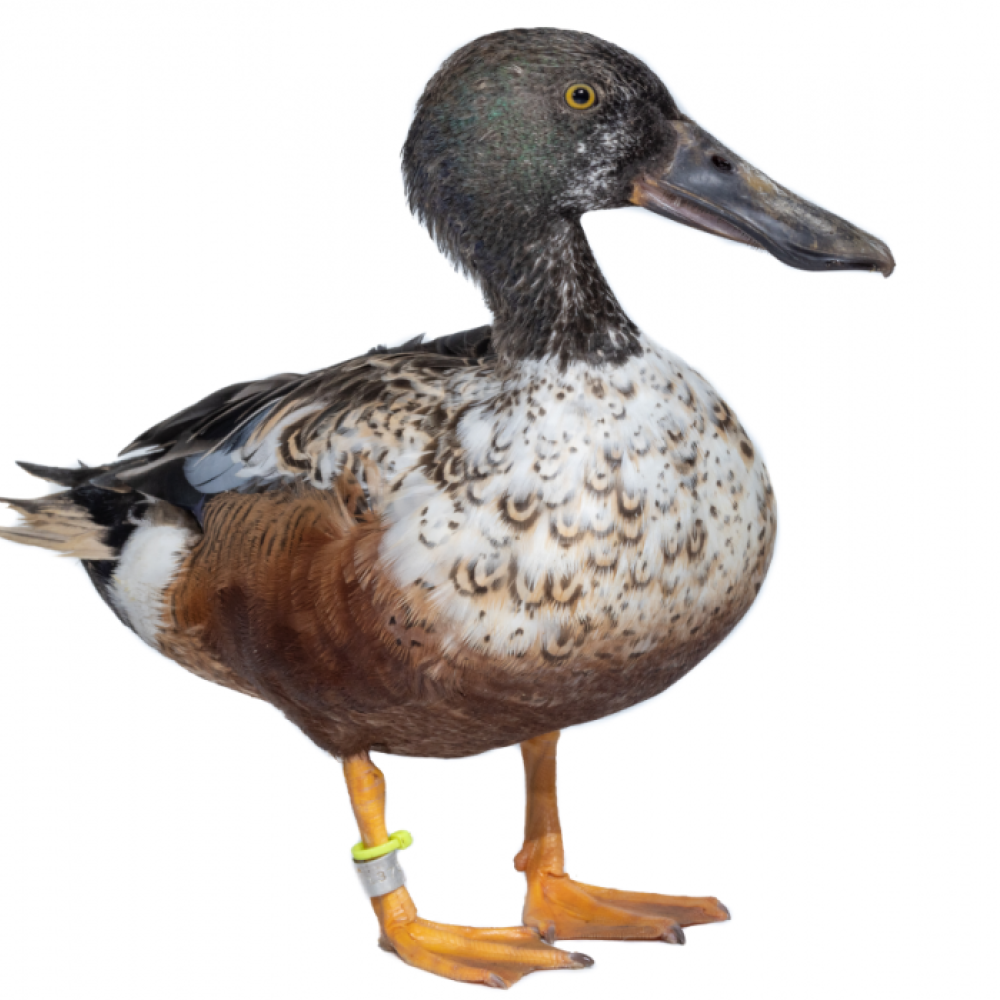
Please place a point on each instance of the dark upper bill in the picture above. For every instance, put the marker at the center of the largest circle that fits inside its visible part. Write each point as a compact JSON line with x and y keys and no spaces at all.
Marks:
{"x":707,"y":186}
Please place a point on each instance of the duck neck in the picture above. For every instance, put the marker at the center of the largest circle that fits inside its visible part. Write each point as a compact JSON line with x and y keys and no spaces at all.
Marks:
{"x":550,"y":300}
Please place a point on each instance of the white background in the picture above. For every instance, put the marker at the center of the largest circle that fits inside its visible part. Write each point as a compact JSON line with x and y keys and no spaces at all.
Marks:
{"x":193,"y":194}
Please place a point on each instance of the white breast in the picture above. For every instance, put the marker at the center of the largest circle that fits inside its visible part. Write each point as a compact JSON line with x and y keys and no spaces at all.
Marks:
{"x":581,"y":488}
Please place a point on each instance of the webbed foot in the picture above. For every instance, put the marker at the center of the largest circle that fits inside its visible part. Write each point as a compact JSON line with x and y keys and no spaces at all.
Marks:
{"x":492,"y":956}
{"x":560,"y":908}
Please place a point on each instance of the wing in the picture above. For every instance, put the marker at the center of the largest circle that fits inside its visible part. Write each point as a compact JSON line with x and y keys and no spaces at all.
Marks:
{"x":251,"y":436}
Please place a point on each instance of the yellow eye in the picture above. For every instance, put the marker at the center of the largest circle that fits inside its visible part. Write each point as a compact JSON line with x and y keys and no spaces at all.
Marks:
{"x":580,"y":96}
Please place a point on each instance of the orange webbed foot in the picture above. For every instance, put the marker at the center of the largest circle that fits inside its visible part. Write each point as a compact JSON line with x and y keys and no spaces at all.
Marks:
{"x":491,"y":956}
{"x":560,"y":909}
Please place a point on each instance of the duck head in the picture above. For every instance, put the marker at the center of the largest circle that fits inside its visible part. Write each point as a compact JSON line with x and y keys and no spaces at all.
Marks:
{"x":521,"y":132}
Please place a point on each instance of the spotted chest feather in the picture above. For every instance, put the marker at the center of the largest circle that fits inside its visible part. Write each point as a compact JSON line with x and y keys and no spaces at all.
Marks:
{"x":616,"y":509}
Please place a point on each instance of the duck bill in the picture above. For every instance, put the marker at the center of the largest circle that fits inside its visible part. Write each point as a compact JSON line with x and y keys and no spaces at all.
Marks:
{"x":709,"y":187}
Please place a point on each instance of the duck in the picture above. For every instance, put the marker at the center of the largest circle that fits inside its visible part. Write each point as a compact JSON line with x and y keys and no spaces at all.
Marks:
{"x":476,"y":541}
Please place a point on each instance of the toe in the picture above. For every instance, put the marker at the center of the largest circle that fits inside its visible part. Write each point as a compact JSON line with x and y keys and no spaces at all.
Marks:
{"x":674,"y":934}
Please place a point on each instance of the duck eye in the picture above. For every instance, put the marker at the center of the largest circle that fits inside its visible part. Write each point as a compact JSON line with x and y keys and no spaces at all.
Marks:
{"x":581,"y":96}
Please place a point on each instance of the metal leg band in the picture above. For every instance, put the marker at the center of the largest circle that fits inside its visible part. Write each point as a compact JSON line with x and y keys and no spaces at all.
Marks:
{"x":380,"y":875}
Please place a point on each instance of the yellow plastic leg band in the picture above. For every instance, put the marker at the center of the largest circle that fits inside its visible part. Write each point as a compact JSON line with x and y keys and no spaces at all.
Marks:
{"x":397,"y":841}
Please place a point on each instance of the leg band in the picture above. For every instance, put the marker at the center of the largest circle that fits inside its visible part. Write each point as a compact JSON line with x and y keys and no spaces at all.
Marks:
{"x":380,"y":875}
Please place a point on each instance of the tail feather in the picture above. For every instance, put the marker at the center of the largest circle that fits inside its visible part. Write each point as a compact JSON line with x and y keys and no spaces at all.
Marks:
{"x":57,"y":523}
{"x":61,"y":477}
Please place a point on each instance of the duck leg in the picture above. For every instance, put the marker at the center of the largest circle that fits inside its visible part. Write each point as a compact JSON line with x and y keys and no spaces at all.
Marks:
{"x":559,"y":908}
{"x":493,"y":956}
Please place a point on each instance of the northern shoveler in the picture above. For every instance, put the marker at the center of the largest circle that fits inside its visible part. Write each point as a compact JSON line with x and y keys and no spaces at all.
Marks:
{"x":472,"y":542}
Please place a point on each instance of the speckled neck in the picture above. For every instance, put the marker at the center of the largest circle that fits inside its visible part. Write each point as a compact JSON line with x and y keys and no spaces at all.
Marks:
{"x":550,"y":299}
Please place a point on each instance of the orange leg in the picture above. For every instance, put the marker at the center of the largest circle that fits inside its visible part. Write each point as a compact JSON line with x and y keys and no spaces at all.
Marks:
{"x":559,"y":908}
{"x":493,"y":956}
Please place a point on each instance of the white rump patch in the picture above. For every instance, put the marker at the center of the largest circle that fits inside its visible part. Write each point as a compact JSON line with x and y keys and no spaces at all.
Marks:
{"x":148,"y":563}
